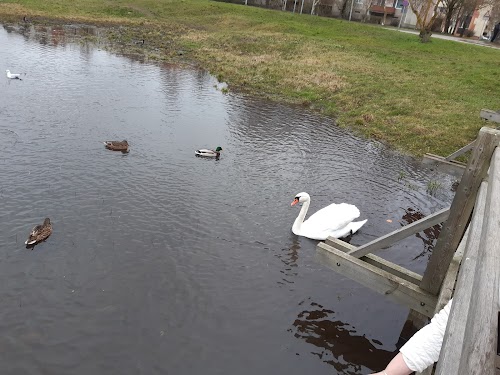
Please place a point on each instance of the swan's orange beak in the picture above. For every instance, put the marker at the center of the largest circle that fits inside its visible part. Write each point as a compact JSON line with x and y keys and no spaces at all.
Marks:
{"x":295,"y":201}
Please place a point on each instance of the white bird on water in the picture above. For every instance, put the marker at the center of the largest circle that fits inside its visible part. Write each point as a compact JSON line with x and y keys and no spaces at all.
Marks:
{"x":13,"y":75}
{"x":335,"y":220}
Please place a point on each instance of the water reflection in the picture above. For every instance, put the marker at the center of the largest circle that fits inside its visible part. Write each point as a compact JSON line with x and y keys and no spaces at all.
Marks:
{"x":338,"y":343}
{"x":289,"y":257}
{"x":55,"y":35}
{"x":428,"y":236}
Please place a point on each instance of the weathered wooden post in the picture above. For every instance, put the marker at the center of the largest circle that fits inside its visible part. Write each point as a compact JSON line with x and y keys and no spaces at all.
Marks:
{"x":451,"y":350}
{"x":481,"y":330}
{"x":460,"y":210}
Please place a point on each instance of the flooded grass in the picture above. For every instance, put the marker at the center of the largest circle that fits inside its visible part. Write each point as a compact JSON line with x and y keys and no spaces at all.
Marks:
{"x":382,"y":84}
{"x":433,"y":187}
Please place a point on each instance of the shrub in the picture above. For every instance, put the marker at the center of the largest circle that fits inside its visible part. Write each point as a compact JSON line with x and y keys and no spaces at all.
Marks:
{"x":469,"y":33}
{"x":374,"y":19}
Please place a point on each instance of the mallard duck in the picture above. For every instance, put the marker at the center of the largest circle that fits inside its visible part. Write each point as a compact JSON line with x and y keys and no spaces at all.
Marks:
{"x":40,"y":232}
{"x":117,"y":145}
{"x":209,"y":153}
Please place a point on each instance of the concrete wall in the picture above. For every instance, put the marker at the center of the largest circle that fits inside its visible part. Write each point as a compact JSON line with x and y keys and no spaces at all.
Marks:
{"x":480,"y":20}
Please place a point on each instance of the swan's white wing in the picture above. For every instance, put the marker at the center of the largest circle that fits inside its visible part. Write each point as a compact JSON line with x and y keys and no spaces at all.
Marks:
{"x":350,"y":228}
{"x":330,"y":218}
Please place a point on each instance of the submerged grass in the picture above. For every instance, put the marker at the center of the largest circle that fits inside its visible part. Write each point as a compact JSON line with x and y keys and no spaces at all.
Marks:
{"x":380,"y":83}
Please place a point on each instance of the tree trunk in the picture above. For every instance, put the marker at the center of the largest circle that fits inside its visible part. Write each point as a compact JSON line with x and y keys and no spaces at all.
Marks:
{"x":367,"y":11}
{"x":467,"y":20}
{"x":313,"y":8}
{"x":447,"y":22}
{"x":459,"y":18}
{"x":425,"y":35}
{"x":343,"y":10}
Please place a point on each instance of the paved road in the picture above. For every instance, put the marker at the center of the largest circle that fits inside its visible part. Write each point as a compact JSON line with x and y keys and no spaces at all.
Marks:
{"x":481,"y":43}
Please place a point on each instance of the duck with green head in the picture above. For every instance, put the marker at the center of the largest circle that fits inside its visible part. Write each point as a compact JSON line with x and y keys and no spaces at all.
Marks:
{"x":209,"y":153}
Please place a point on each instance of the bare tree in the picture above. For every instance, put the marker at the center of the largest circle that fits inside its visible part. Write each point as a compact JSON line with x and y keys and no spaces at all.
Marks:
{"x":314,"y":4}
{"x":344,"y":13}
{"x":452,"y":7}
{"x":426,"y":12}
{"x":494,"y":13}
{"x":468,"y":8}
{"x":463,"y":10}
{"x":366,"y":15}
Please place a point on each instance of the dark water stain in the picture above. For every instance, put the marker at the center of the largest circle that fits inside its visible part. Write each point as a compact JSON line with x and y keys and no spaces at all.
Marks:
{"x":428,"y":236}
{"x":338,"y":343}
{"x":162,"y":262}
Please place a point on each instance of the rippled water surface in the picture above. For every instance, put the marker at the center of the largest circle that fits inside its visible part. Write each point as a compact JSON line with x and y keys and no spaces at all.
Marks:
{"x":164,"y":263}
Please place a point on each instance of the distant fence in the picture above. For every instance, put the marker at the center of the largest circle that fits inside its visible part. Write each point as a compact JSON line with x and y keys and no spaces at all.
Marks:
{"x":323,"y":10}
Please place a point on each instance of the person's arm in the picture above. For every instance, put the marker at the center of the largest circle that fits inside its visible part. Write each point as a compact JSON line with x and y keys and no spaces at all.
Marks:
{"x":396,"y":367}
{"x":423,"y":349}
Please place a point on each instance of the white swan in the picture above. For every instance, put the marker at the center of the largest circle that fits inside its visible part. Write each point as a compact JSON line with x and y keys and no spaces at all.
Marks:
{"x":335,"y":220}
{"x":13,"y":75}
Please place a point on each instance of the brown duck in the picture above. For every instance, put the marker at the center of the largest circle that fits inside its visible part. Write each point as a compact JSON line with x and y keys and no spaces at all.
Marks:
{"x":117,"y":145}
{"x":40,"y":233}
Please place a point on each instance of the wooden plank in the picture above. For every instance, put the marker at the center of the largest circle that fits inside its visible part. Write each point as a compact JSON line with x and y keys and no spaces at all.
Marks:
{"x":452,"y":167}
{"x":488,"y":114}
{"x":393,"y":268}
{"x":408,"y":230}
{"x":481,"y":330}
{"x":376,"y":261}
{"x":460,"y":210}
{"x":451,"y":351}
{"x":339,"y":244}
{"x":376,"y":279}
{"x":449,"y":281}
{"x":462,"y":151}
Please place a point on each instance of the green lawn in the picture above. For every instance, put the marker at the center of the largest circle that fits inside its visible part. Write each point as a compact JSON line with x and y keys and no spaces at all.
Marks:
{"x":382,"y":84}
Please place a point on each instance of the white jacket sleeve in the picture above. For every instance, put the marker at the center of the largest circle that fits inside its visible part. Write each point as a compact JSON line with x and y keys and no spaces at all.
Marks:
{"x":423,"y":349}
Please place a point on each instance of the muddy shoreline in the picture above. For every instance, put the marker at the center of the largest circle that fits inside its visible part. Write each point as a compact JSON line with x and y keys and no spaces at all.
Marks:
{"x":139,"y":42}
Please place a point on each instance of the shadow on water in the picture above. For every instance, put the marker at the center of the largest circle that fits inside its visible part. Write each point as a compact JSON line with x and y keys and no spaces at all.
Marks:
{"x":428,"y":236}
{"x":338,"y":344}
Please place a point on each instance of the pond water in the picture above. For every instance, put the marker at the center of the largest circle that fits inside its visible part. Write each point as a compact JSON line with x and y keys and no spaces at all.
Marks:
{"x":164,"y":263}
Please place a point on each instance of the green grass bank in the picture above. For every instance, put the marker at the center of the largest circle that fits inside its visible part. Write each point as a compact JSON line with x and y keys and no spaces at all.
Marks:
{"x":380,"y":83}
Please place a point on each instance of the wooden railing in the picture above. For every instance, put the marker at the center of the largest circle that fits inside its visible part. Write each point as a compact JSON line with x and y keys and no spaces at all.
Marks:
{"x":471,"y":250}
{"x":470,"y":343}
{"x":449,"y":164}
